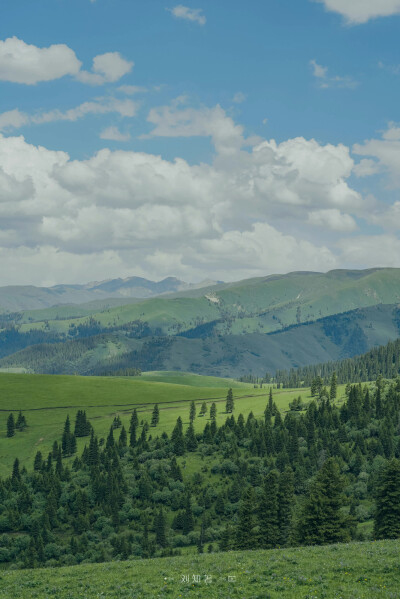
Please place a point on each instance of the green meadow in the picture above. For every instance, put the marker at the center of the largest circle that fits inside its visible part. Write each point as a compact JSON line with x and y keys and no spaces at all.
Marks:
{"x":46,"y":400}
{"x":347,"y":571}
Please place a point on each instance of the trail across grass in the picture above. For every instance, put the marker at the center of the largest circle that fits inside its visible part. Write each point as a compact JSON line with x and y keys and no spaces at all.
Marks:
{"x":354,"y":571}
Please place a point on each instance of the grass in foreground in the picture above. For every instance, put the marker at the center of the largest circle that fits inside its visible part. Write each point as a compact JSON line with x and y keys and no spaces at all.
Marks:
{"x":351,"y":571}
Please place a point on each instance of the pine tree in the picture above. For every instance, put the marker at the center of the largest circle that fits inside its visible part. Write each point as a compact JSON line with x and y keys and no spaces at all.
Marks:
{"x":192,"y":411}
{"x":268,"y":512}
{"x":176,"y":473}
{"x":132,"y":429}
{"x":159,"y":527}
{"x":37,"y":464}
{"x":155,"y":417}
{"x":213,"y":411}
{"x":122,"y":441}
{"x":10,"y":425}
{"x":190,"y":438}
{"x":229,"y":402}
{"x":333,"y":387}
{"x":178,"y":441}
{"x":244,"y":537}
{"x":203,"y":409}
{"x":322,"y":521}
{"x":387,"y":514}
{"x":21,"y":422}
{"x":285,"y":505}
{"x":16,"y":476}
{"x":188,"y":519}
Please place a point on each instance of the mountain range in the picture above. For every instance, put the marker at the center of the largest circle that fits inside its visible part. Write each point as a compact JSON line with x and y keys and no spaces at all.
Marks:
{"x":224,"y":329}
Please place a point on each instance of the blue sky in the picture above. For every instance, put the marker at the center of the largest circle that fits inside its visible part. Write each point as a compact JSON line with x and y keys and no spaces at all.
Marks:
{"x":202,"y":140}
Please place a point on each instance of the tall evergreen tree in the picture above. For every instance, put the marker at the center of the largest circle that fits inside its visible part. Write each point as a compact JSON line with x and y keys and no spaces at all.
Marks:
{"x":387,"y":513}
{"x":229,"y":406}
{"x":285,"y":505}
{"x":268,"y":512}
{"x":134,"y":422}
{"x":213,"y":411}
{"x":322,"y":520}
{"x":333,"y":387}
{"x":192,"y":411}
{"x":155,"y":417}
{"x":244,"y":536}
{"x":10,"y":425}
{"x":178,"y":441}
{"x":159,"y":527}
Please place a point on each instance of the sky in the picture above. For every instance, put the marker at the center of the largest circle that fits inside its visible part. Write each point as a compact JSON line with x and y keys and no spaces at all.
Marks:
{"x":205,"y":140}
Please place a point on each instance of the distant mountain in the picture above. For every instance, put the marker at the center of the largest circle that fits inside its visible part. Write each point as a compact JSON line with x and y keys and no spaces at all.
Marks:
{"x":27,"y":297}
{"x":229,"y":329}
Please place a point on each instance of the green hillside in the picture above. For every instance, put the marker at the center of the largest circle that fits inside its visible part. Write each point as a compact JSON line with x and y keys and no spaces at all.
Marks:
{"x":359,"y":570}
{"x":47,"y":400}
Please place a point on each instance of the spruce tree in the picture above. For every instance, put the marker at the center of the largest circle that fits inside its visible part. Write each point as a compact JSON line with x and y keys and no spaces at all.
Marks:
{"x":269,"y":534}
{"x":159,"y":527}
{"x":322,"y":520}
{"x":333,"y":387}
{"x":132,"y":428}
{"x":21,"y":422}
{"x":192,"y":411}
{"x":10,"y":425}
{"x":285,"y":505}
{"x":188,"y":519}
{"x":229,"y":406}
{"x":387,"y":513}
{"x":190,"y":438}
{"x":213,"y":411}
{"x":203,"y":409}
{"x":244,"y":537}
{"x":155,"y":417}
{"x":178,"y":441}
{"x":122,"y":441}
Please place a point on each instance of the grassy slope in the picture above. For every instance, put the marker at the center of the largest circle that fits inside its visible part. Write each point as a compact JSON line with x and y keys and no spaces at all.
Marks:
{"x":317,"y":295}
{"x":332,"y":338}
{"x":357,"y":570}
{"x":47,"y":399}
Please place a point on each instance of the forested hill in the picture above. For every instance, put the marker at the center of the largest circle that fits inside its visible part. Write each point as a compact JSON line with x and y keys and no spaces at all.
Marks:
{"x":380,"y":361}
{"x":253,"y":326}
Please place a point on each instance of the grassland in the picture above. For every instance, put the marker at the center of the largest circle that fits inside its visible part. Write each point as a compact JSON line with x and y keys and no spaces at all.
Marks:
{"x":47,"y":399}
{"x":353,"y":571}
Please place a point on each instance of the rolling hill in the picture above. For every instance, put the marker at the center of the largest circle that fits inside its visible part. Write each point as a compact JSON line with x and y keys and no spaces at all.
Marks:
{"x":256,"y":325}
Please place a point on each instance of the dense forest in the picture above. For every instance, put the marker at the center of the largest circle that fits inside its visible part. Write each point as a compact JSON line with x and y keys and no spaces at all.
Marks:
{"x":310,"y":477}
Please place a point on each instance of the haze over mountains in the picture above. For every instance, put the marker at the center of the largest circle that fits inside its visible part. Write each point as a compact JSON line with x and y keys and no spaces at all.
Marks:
{"x":228,"y":329}
{"x":30,"y":297}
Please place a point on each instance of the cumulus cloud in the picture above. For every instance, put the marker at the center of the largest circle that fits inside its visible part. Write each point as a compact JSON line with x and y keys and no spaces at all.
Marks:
{"x":114,"y":134}
{"x":384,"y":155}
{"x":360,"y":11}
{"x":169,"y":217}
{"x":14,"y":119}
{"x":25,"y":63}
{"x":326,"y":81}
{"x":107,"y":68}
{"x":332,"y":219}
{"x":28,"y":64}
{"x":189,"y":14}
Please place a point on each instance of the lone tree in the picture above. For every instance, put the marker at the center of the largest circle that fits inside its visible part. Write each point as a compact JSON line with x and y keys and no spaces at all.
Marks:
{"x":387,"y":514}
{"x":10,"y":425}
{"x":155,"y":417}
{"x":192,"y":413}
{"x":229,"y":402}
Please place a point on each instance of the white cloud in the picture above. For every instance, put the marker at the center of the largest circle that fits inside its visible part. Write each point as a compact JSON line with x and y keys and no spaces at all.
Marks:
{"x":361,"y":11}
{"x":239,"y":97}
{"x":223,"y":220}
{"x":28,"y":64}
{"x":107,"y":68}
{"x":325,"y":81}
{"x":131,"y":90}
{"x":369,"y":251}
{"x":189,"y":14}
{"x":333,"y":220}
{"x":384,"y":155}
{"x":14,"y":119}
{"x":114,"y":134}
{"x":25,"y":63}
